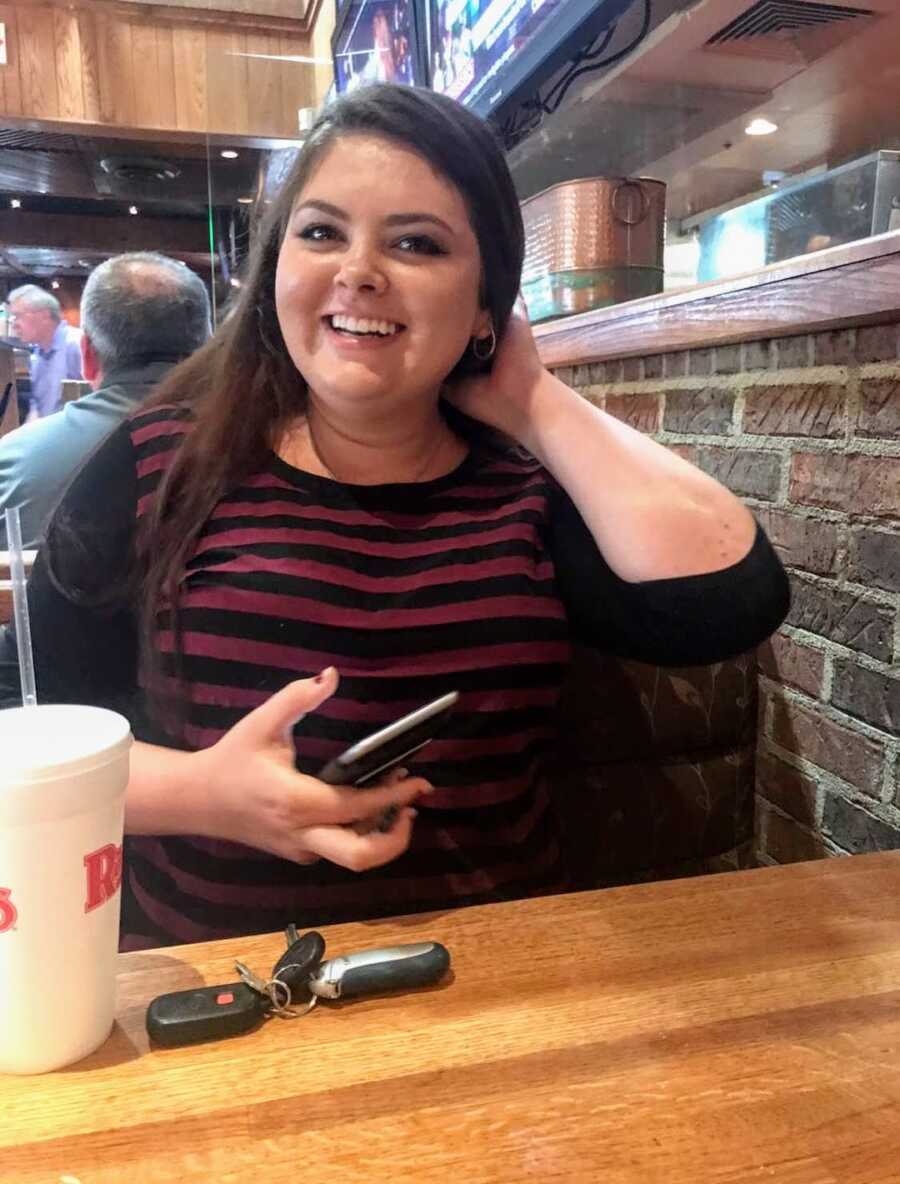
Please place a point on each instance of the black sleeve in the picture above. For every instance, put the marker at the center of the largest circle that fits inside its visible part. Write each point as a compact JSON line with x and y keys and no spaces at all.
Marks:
{"x":688,"y":621}
{"x":83,"y":630}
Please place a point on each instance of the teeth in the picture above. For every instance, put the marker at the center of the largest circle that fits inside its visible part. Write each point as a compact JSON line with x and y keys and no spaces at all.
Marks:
{"x":359,"y":325}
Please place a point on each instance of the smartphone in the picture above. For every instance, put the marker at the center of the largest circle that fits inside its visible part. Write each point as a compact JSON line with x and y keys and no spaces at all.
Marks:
{"x":382,"y":750}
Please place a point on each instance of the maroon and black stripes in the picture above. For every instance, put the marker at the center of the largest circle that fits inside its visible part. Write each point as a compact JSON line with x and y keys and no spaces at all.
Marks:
{"x":410,"y":591}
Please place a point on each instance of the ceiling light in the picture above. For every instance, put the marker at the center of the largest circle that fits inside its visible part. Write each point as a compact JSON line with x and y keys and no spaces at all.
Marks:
{"x":235,"y":282}
{"x":54,"y":284}
{"x":229,"y":154}
{"x":760,"y":127}
{"x":245,"y":201}
{"x":133,"y":210}
{"x":15,"y":203}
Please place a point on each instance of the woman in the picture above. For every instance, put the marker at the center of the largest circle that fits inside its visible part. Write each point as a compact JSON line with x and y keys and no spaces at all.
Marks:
{"x":300,"y":504}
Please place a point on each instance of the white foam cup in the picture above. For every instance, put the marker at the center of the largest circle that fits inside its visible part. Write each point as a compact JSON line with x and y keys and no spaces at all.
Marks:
{"x":63,"y":774}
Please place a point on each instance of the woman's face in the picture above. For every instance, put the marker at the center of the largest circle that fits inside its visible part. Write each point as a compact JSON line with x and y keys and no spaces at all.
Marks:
{"x":378,"y":276}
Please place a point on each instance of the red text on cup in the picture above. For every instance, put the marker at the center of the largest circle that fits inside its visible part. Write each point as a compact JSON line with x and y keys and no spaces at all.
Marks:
{"x":8,"y":914}
{"x":103,"y":874}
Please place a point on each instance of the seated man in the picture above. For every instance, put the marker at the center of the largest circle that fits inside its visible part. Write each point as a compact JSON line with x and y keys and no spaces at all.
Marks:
{"x":141,"y":313}
{"x":37,"y":320}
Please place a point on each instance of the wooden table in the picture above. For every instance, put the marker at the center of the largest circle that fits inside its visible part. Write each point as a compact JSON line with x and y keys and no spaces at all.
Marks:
{"x":28,"y":558}
{"x":742,"y":1027}
{"x":6,"y":601}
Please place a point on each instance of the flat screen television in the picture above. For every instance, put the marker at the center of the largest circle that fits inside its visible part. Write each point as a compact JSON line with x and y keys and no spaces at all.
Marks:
{"x":489,"y":54}
{"x":378,"y":41}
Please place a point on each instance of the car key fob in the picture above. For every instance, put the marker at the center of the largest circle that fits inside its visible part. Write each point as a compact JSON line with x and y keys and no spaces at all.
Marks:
{"x":369,"y":972}
{"x":205,"y":1013}
{"x":299,"y":963}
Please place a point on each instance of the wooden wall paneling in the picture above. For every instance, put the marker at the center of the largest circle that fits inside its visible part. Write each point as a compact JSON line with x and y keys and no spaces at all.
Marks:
{"x":90,"y":68}
{"x":67,"y":54}
{"x":10,"y":84}
{"x":264,"y":84}
{"x":165,"y":64}
{"x":241,"y":82}
{"x":320,"y":47}
{"x":298,"y":82}
{"x":191,"y":93}
{"x":259,"y":10}
{"x":83,"y":232}
{"x":37,"y":69}
{"x":145,"y":75}
{"x":227,"y":101}
{"x":114,"y":66}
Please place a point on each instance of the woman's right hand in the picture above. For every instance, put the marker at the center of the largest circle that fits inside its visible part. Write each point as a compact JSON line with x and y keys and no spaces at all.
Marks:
{"x":246,"y":789}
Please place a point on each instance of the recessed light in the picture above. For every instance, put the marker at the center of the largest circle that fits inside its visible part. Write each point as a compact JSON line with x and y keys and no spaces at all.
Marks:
{"x":245,"y":201}
{"x":760,"y":127}
{"x":15,"y":203}
{"x":229,"y":154}
{"x":54,"y":284}
{"x":133,"y":210}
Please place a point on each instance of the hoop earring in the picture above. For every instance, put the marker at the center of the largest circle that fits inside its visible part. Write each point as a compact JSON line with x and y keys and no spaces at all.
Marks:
{"x":477,"y":341}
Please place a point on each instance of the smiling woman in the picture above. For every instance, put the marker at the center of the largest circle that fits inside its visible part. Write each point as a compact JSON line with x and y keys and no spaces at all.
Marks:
{"x":364,"y":493}
{"x":376,"y":306}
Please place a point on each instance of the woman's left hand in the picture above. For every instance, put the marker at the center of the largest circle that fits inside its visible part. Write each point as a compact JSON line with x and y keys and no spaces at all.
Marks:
{"x":503,"y":398}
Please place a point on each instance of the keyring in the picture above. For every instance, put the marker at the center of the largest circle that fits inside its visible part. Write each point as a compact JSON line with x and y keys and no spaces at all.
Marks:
{"x":283,"y":1007}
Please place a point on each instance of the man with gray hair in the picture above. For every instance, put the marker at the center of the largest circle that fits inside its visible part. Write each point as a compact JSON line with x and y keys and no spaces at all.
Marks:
{"x":56,"y":346}
{"x":141,"y":313}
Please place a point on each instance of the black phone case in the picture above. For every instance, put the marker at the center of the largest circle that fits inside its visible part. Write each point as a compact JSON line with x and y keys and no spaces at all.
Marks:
{"x":387,"y":756}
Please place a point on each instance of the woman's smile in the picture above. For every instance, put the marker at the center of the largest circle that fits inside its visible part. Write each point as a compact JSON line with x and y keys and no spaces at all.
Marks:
{"x":357,"y":332}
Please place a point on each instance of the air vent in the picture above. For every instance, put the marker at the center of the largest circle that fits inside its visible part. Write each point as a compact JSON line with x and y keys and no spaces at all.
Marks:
{"x":139,"y":169}
{"x":783,"y":18}
{"x":37,"y":141}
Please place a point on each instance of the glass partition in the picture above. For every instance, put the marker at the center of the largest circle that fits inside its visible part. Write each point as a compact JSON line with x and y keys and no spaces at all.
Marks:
{"x":774,"y":128}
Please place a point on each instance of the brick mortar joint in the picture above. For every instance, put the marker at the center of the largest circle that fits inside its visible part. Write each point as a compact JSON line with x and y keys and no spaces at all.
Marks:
{"x":849,"y":723}
{"x":816,"y":513}
{"x":890,"y":369}
{"x":835,"y":649}
{"x":863,"y":592}
{"x":853,"y":407}
{"x":737,"y":415}
{"x":823,"y":780}
{"x":827,"y":676}
{"x":829,"y":845}
{"x":877,"y":447}
{"x":741,"y":379}
{"x":812,"y":829}
{"x":800,"y":765}
{"x":889,"y":785}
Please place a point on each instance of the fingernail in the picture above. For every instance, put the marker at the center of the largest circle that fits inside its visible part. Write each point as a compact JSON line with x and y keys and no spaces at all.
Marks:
{"x":413,"y":813}
{"x":401,"y":773}
{"x":320,"y":678}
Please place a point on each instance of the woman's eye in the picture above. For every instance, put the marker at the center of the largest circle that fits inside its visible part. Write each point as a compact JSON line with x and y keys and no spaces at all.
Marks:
{"x":420,"y":244}
{"x":317,"y":233}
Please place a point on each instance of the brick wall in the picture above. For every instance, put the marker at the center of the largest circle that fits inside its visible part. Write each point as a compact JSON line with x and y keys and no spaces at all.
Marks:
{"x":807,"y":430}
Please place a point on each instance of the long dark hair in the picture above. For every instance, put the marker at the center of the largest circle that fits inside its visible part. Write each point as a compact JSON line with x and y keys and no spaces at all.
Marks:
{"x":241,"y":390}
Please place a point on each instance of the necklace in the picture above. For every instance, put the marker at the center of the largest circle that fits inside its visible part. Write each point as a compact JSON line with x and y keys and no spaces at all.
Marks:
{"x":417,"y":476}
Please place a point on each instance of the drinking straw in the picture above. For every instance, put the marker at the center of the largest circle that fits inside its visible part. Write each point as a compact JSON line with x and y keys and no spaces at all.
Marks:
{"x":20,"y":607}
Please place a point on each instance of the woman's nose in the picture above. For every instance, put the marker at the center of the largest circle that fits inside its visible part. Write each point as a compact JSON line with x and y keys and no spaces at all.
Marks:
{"x":361,"y":273}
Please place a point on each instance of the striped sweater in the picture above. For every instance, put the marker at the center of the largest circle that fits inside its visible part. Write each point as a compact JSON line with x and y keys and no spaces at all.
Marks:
{"x":472,"y":582}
